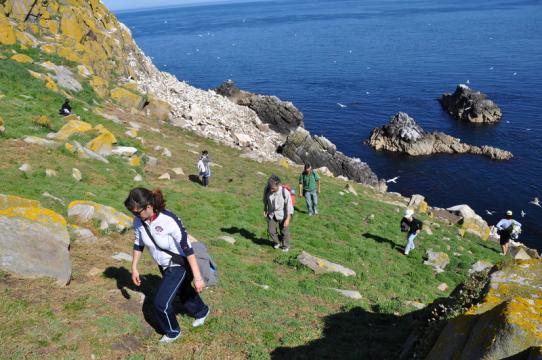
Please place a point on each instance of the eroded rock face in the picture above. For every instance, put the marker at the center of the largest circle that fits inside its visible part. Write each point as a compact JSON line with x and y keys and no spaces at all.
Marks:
{"x":282,"y":116}
{"x":402,"y":134}
{"x":470,"y":105}
{"x":506,"y":322}
{"x":24,"y":227}
{"x":301,"y":147}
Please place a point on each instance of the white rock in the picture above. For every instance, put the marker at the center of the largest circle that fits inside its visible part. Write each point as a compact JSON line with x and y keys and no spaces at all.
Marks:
{"x":121,"y":256}
{"x":41,"y":141}
{"x":324,"y":171}
{"x":265,"y":287}
{"x":350,"y":189}
{"x":165,"y":176}
{"x":50,"y":173}
{"x":135,"y":125}
{"x":443,"y":287}
{"x":25,"y":168}
{"x":76,"y":173}
{"x":227,"y":239}
{"x":261,"y":174}
{"x":124,"y":150}
{"x":341,"y":193}
{"x":319,"y":265}
{"x":415,"y":304}
{"x":480,"y":265}
{"x":47,"y":195}
{"x":150,"y":160}
{"x":178,"y":171}
{"x":82,"y":234}
{"x":138,"y":178}
{"x":166,"y":152}
{"x":352,"y":294}
{"x":343,"y":178}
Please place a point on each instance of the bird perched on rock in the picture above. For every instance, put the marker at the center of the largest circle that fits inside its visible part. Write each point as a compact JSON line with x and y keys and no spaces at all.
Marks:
{"x":393,"y":180}
{"x":535,"y":201}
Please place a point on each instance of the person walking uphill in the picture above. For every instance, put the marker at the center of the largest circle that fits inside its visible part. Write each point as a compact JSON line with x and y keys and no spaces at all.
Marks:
{"x":412,"y":227}
{"x":164,"y":234}
{"x":507,"y":228}
{"x":278,"y":210}
{"x":309,"y":187}
{"x":204,"y":168}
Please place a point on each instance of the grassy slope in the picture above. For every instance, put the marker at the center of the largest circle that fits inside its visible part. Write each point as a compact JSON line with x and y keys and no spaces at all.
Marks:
{"x":298,"y":316}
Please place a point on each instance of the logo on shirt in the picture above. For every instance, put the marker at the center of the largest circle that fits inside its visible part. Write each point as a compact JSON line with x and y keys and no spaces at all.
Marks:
{"x":158,"y":229}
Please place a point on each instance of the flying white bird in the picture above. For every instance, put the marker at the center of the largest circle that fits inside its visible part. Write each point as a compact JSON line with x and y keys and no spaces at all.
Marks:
{"x":491,"y":68}
{"x":535,"y":201}
{"x":515,"y":73}
{"x":393,"y":180}
{"x":341,"y":105}
{"x":468,"y":81}
{"x":523,"y":213}
{"x":490,"y":212}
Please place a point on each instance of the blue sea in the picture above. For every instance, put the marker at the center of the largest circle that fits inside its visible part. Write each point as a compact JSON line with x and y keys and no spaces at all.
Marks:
{"x":379,"y":57}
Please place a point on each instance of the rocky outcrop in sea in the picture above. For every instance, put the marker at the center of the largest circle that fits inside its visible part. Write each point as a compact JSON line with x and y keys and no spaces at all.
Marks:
{"x":403,"y":134}
{"x":469,"y":105}
{"x":282,"y":116}
{"x":301,"y":146}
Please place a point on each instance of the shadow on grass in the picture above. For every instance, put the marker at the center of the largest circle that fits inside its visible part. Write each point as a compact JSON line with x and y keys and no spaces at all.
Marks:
{"x":149,"y":282}
{"x":195,"y":179}
{"x":355,"y":334}
{"x":381,"y":239}
{"x":247,"y":235}
{"x":490,"y":248}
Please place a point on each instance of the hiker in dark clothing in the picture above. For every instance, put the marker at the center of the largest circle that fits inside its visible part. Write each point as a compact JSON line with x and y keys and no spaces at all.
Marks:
{"x":65,"y":109}
{"x":412,"y":227}
{"x":508,"y":228}
{"x":309,"y":188}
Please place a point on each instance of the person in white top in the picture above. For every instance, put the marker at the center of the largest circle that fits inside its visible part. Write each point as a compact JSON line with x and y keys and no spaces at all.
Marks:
{"x":278,"y":211}
{"x":505,"y":228}
{"x":204,"y":169}
{"x":164,"y":234}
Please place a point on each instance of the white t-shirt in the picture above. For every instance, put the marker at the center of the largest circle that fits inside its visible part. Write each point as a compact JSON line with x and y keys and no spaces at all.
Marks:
{"x":169,"y":233}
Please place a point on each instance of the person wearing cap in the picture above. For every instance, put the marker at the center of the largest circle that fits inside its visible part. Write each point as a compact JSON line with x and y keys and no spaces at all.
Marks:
{"x":505,"y":227}
{"x":412,"y":227}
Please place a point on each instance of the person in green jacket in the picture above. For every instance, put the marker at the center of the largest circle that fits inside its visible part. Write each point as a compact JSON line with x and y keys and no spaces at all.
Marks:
{"x":309,"y":188}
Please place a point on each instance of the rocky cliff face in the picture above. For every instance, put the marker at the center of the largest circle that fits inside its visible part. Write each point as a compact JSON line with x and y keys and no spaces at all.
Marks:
{"x":282,"y":116}
{"x":301,"y":146}
{"x":403,"y":134}
{"x":470,"y":105}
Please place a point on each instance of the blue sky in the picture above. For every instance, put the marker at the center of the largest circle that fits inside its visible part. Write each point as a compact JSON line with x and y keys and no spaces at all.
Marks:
{"x":135,"y":4}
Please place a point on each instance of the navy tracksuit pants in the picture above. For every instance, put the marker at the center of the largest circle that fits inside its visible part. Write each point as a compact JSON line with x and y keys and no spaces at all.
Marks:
{"x":176,"y":280}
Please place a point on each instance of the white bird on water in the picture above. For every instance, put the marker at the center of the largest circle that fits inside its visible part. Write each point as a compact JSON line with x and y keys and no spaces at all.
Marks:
{"x":393,"y":180}
{"x":490,"y":212}
{"x":342,"y":106}
{"x":535,"y":201}
{"x":523,"y":213}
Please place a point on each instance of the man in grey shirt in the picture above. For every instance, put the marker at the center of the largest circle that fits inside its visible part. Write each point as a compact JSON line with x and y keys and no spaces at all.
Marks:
{"x":278,"y":210}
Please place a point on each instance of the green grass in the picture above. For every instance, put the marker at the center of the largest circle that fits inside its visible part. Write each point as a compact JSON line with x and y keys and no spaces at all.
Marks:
{"x":298,"y":316}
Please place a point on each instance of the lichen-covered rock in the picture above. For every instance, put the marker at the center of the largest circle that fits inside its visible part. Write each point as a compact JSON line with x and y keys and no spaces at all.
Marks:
{"x":402,"y":134}
{"x":22,"y":228}
{"x":7,"y":34}
{"x":42,"y":120}
{"x":506,"y":323}
{"x":471,"y":222}
{"x":85,"y":211}
{"x":158,"y":110}
{"x":102,"y":144}
{"x":127,"y":98}
{"x":301,"y":147}
{"x":470,"y":105}
{"x":70,"y":128}
{"x":438,"y":260}
{"x":22,"y":58}
{"x":81,"y":234}
{"x":63,"y":76}
{"x":320,"y":266}
{"x":13,"y":201}
{"x":480,"y":265}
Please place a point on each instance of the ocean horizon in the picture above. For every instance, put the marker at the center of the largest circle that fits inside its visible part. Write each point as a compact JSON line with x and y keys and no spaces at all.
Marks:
{"x":377,"y":58}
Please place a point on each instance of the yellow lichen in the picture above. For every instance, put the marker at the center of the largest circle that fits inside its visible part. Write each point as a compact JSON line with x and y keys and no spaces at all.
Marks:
{"x":22,"y":58}
{"x":9,"y":201}
{"x":43,"y":120}
{"x":7,"y":33}
{"x":284,"y":163}
{"x":72,"y":127}
{"x":42,"y":215}
{"x":135,"y":161}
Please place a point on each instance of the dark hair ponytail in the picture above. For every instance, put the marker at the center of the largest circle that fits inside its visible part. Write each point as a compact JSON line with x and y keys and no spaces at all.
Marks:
{"x":141,"y":197}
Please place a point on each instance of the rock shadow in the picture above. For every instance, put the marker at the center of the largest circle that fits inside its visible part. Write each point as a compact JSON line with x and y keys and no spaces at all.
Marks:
{"x":355,"y":334}
{"x":149,"y":283}
{"x":381,"y":239}
{"x":247,"y":235}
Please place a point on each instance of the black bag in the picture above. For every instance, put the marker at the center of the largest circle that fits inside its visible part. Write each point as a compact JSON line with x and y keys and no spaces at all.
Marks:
{"x":404,"y":226}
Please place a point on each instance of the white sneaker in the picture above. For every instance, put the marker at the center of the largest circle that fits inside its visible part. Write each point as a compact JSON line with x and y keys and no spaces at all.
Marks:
{"x":285,"y":249}
{"x":166,"y":339}
{"x":201,"y":321}
{"x":315,"y":212}
{"x":276,"y":246}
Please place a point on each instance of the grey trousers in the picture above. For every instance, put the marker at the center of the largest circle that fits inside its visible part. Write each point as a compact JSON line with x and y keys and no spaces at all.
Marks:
{"x":282,"y":236}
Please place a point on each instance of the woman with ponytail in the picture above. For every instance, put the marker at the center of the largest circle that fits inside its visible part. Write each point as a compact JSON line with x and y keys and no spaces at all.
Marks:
{"x":164,"y":234}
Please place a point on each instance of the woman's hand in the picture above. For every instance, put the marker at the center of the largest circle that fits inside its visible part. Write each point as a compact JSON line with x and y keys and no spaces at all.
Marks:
{"x":199,"y":284}
{"x":135,"y":277}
